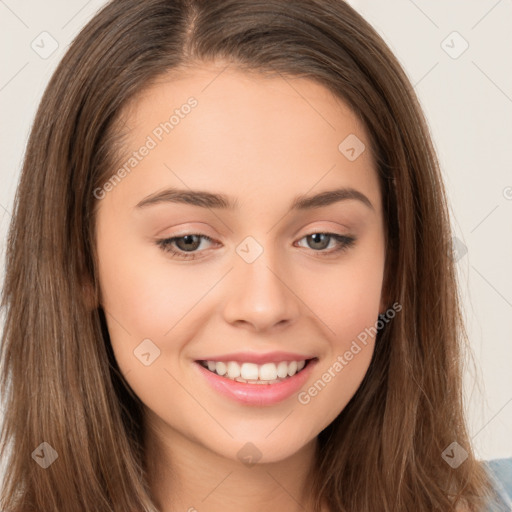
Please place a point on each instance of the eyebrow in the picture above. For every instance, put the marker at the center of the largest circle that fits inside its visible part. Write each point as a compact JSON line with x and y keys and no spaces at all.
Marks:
{"x":205,"y":199}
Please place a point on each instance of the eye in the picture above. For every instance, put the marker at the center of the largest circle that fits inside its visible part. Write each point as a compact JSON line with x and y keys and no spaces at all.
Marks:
{"x":318,"y":242}
{"x":188,"y":243}
{"x":186,"y":246}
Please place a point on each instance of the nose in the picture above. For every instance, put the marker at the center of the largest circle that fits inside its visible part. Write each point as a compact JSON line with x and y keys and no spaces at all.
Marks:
{"x":261,"y":294}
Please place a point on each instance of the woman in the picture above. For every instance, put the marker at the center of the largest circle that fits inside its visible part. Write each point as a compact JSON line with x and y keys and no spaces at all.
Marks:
{"x":253,"y":368}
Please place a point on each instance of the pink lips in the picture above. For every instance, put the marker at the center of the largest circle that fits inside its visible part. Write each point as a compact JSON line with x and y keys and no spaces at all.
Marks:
{"x":258,"y":394}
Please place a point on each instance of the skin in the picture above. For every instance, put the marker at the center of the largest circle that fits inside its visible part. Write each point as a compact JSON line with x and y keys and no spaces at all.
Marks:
{"x":261,"y":141}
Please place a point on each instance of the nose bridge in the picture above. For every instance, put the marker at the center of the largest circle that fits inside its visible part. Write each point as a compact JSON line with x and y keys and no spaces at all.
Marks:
{"x":257,"y":266}
{"x":260,"y":295}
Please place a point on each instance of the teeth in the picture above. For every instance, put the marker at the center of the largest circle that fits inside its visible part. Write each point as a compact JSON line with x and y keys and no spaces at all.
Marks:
{"x":268,"y":373}
{"x":220,"y":368}
{"x":282,"y":369}
{"x":249,"y":371}
{"x":233,"y":370}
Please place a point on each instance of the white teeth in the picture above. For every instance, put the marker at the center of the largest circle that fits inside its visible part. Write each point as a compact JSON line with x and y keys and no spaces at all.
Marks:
{"x":233,"y":370}
{"x":282,"y":369}
{"x":268,"y":373}
{"x":292,"y":368}
{"x":249,"y":371}
{"x":220,"y":368}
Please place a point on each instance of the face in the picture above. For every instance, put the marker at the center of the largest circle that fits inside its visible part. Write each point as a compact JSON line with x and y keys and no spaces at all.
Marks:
{"x":262,"y":275}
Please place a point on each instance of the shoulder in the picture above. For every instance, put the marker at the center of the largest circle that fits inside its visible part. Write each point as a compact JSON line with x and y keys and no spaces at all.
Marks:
{"x":500,"y":472}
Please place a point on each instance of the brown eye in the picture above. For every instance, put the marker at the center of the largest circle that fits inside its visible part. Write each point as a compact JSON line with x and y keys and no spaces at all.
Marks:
{"x":188,"y":242}
{"x":187,"y":245}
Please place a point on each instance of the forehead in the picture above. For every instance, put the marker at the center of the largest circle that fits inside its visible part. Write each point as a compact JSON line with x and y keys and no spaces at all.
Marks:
{"x":247,"y":133}
{"x":252,"y":99}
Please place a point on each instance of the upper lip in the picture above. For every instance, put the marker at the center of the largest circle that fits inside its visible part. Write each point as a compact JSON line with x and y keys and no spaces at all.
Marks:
{"x":252,"y":357}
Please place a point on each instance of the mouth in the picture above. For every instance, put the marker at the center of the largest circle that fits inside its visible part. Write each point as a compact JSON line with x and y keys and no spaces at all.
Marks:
{"x":271,"y":389}
{"x":252,"y":373}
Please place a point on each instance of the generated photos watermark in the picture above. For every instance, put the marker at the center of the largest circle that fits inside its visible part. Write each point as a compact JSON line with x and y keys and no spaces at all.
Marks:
{"x":342,"y":360}
{"x":152,"y":140}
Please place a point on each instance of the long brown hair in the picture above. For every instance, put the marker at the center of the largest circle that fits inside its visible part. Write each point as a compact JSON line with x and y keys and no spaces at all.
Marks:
{"x":60,"y":382}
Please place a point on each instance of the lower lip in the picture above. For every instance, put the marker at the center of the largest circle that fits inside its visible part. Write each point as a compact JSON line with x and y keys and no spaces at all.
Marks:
{"x":258,"y":394}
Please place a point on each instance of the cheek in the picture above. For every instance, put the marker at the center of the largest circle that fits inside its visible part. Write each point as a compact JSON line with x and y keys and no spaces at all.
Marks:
{"x":142,"y":300}
{"x":351,"y":315}
{"x":349,"y":306}
{"x":152,"y":306}
{"x":347,"y":296}
{"x":336,"y":382}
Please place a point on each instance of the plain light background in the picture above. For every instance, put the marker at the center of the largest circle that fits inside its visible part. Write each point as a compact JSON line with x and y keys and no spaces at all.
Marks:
{"x":457,"y":55}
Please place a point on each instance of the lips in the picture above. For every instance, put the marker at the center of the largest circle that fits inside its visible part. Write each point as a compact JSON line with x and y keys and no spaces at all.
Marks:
{"x":253,"y":394}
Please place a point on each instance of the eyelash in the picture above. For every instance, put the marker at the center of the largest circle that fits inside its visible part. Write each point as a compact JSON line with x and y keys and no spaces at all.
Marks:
{"x":344,"y":243}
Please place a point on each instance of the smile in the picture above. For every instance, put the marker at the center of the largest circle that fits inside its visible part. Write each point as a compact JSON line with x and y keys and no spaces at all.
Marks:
{"x":251,"y":373}
{"x":247,"y":392}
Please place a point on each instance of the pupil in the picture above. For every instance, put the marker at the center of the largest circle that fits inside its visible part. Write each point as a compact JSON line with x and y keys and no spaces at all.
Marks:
{"x":315,"y":237}
{"x":187,"y":240}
